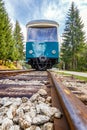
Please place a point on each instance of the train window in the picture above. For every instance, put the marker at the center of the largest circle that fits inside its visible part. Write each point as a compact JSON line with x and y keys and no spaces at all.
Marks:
{"x":42,"y":34}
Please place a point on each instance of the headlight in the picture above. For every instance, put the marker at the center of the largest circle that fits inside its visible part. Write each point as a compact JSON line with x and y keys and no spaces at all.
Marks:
{"x":30,"y":51}
{"x":53,"y":51}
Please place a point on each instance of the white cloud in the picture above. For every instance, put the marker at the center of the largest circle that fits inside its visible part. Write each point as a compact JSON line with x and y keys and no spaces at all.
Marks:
{"x":51,"y":12}
{"x":24,"y":31}
{"x":9,"y":9}
{"x":81,"y":5}
{"x":48,"y":9}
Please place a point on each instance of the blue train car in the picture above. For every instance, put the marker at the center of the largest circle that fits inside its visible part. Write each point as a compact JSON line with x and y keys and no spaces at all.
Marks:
{"x":42,"y":47}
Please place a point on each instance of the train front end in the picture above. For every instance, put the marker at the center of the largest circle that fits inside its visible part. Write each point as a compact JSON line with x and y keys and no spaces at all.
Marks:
{"x":42,"y":47}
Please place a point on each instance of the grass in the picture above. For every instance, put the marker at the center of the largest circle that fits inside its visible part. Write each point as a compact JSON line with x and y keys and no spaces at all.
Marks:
{"x":81,"y":78}
{"x":74,"y":76}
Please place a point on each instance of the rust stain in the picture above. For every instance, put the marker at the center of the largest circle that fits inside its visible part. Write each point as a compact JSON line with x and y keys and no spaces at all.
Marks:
{"x":67,"y":92}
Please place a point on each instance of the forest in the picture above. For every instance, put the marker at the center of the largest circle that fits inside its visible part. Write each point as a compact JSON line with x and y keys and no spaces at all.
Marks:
{"x":73,"y":51}
{"x":11,"y":41}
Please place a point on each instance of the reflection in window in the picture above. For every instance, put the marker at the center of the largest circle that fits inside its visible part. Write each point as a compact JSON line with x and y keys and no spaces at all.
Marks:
{"x":42,"y":34}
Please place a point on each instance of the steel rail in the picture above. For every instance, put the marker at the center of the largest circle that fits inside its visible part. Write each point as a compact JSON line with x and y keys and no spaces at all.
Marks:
{"x":5,"y":73}
{"x":74,"y":109}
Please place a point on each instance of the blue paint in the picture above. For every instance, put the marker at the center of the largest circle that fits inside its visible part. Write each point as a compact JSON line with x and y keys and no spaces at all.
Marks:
{"x":42,"y":49}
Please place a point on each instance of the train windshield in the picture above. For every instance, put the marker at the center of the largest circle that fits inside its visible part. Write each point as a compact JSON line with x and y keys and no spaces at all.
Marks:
{"x":42,"y":34}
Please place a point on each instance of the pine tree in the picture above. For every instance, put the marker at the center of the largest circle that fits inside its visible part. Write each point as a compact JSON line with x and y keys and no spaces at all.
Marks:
{"x":73,"y":39}
{"x":2,"y":32}
{"x":6,"y":38}
{"x":18,"y":36}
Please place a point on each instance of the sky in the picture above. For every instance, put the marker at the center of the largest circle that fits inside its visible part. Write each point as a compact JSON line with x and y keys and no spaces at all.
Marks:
{"x":27,"y":10}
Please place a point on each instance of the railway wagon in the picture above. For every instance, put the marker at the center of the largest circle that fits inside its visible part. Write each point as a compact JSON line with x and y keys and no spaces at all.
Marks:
{"x":42,"y":47}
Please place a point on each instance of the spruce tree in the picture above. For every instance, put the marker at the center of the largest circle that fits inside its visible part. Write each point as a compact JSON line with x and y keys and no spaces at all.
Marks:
{"x":73,"y":39}
{"x":6,"y":38}
{"x":18,"y":36}
{"x":2,"y":32}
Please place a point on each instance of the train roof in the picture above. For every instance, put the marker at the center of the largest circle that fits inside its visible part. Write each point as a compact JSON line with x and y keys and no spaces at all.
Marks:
{"x":42,"y":23}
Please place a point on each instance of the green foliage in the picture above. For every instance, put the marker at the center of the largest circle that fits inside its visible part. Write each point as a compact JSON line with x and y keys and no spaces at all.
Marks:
{"x":26,"y":66}
{"x":74,"y":76}
{"x":6,"y":38}
{"x":18,"y":36}
{"x":10,"y":65}
{"x":73,"y":44}
{"x":11,"y":46}
{"x":83,"y":59}
{"x":2,"y":31}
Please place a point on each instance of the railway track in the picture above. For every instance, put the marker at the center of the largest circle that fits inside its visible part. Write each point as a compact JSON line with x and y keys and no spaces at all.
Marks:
{"x":26,"y":84}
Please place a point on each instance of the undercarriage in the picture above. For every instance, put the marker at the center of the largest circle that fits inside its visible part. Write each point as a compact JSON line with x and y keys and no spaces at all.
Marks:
{"x":42,"y":63}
